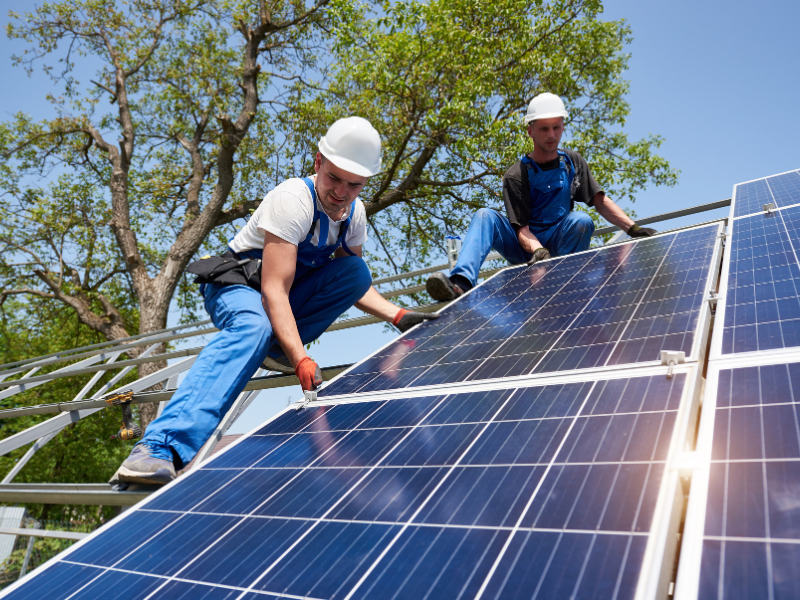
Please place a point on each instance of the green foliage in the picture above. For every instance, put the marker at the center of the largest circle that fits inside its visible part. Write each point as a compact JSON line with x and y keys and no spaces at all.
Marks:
{"x":446,"y":82}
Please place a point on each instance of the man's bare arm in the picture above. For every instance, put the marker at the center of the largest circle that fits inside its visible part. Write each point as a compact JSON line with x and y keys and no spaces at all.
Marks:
{"x":527,"y":240}
{"x":276,"y":282}
{"x":612,"y":213}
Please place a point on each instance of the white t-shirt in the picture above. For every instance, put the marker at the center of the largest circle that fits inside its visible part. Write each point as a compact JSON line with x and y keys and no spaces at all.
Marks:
{"x":288,"y":211}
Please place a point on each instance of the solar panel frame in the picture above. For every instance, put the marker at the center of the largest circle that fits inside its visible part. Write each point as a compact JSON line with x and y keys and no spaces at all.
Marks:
{"x":698,"y":466}
{"x":699,"y":342}
{"x":657,"y":563}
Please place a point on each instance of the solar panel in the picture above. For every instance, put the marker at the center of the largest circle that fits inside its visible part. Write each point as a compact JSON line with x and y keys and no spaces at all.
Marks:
{"x":761,"y":279}
{"x":743,"y":523}
{"x":782,"y":190}
{"x":612,"y":306}
{"x":544,"y":489}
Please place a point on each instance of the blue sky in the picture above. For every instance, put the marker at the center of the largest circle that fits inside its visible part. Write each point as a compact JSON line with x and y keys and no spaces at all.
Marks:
{"x":718,"y":80}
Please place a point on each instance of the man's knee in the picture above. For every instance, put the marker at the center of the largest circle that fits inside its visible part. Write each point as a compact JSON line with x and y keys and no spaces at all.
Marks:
{"x":486,"y":214}
{"x":354,"y":273}
{"x":581,"y":223}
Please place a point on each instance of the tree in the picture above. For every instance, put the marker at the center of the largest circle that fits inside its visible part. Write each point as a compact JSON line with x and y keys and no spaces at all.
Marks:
{"x":181,"y":84}
{"x":447,"y":82}
{"x":214,"y":101}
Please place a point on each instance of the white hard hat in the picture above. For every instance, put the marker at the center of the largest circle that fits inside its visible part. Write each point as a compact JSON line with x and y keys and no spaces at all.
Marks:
{"x":545,"y":106}
{"x":353,"y":144}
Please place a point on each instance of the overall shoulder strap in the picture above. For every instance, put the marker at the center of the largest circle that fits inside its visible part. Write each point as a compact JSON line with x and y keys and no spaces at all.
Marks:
{"x":531,"y":168}
{"x":568,"y":164}
{"x":324,"y":224}
{"x":345,"y":227}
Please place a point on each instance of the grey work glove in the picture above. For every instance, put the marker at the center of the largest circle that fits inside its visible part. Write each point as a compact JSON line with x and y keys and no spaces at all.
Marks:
{"x":636,"y":232}
{"x":406,"y":319}
{"x":539,"y":254}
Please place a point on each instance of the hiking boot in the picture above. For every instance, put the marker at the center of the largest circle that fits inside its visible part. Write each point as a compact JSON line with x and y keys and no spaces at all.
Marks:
{"x":441,"y":289}
{"x":280,"y":364}
{"x":142,"y":467}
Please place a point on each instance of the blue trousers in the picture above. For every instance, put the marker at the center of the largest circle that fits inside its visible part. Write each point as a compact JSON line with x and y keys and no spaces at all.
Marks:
{"x":489,"y":230}
{"x":318,"y":297}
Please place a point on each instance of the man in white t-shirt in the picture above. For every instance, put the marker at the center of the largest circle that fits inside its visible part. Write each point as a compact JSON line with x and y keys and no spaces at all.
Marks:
{"x":309,"y":234}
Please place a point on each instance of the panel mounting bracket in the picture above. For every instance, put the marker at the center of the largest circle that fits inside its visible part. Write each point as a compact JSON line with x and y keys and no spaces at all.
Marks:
{"x":768,"y":208}
{"x":309,"y":396}
{"x":670,"y":358}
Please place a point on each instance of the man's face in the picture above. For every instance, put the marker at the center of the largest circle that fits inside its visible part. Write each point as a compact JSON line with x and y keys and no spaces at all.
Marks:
{"x":546,"y":133}
{"x":336,"y":187}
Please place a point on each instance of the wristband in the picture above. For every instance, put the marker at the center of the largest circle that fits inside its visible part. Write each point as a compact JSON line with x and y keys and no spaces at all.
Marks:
{"x":400,"y":314}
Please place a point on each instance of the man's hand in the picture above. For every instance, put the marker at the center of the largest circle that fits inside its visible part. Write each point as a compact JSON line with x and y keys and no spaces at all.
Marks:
{"x":636,"y":232}
{"x":539,"y":254}
{"x":406,"y":319}
{"x":308,"y":373}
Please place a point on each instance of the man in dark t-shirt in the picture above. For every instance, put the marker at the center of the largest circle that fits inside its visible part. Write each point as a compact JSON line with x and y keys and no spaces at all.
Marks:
{"x":539,"y":191}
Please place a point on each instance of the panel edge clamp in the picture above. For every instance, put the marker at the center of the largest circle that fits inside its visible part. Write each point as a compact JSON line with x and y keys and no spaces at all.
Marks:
{"x":712,"y":300}
{"x":768,"y":208}
{"x":308,"y":396}
{"x":670,"y":358}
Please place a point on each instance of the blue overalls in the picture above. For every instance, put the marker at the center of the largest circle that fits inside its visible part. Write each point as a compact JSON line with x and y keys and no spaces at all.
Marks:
{"x":557,"y":227}
{"x":323,"y":289}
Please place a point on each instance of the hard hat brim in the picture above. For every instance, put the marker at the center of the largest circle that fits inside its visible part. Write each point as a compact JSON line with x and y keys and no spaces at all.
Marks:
{"x":550,"y":115}
{"x":345,"y":163}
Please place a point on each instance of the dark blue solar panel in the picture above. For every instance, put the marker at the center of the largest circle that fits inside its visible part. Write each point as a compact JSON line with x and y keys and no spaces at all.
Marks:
{"x":550,"y":487}
{"x":751,"y":541}
{"x":613,"y":306}
{"x":781,"y":190}
{"x":762,"y":303}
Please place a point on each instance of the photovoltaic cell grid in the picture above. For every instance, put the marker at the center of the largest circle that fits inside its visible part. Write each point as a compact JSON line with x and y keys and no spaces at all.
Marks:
{"x":762,"y":303}
{"x":541,"y":492}
{"x":782,"y":190}
{"x":751,"y":547}
{"x":614,"y":306}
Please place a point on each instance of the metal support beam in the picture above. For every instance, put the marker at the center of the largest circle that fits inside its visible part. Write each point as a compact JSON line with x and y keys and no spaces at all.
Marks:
{"x":260,"y":383}
{"x":140,"y":360}
{"x":144,"y":342}
{"x":684,"y":212}
{"x":41,"y":533}
{"x":37,"y":445}
{"x":140,"y":336}
{"x":62,"y":420}
{"x":85,"y":494}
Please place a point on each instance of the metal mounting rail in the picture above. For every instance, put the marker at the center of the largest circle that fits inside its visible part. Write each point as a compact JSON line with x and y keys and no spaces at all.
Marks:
{"x":675,"y":214}
{"x":257,"y":383}
{"x":91,"y":494}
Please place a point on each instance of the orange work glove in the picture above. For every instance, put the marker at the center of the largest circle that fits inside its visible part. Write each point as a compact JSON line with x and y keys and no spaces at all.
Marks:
{"x":308,"y":373}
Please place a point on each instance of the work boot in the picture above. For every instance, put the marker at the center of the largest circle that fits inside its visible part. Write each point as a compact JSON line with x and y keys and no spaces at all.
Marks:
{"x":280,"y":364}
{"x":441,"y":289}
{"x":142,"y":467}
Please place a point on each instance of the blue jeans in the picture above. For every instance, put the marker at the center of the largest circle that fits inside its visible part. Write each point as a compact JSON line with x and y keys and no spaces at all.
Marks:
{"x":318,"y":297}
{"x":489,"y":230}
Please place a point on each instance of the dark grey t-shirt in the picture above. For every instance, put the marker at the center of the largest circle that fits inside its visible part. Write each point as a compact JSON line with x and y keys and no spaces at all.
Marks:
{"x":517,"y":189}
